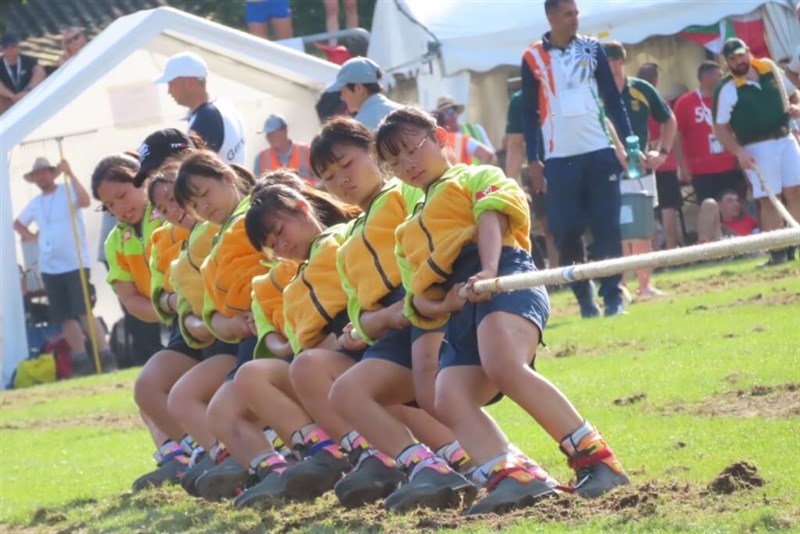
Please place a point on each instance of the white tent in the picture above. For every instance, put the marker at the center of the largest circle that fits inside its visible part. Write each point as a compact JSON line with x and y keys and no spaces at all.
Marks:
{"x":481,"y":36}
{"x":107,"y":90}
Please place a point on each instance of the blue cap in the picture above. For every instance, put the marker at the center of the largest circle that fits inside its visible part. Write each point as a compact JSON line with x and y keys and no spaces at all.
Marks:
{"x":9,"y":39}
{"x":356,"y":70}
{"x":273,"y":124}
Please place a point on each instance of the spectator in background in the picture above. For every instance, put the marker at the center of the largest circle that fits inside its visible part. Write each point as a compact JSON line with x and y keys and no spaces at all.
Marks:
{"x":447,"y":116}
{"x":332,"y":16}
{"x":59,"y":260}
{"x":217,"y":122}
{"x":282,"y":151}
{"x":19,"y":75}
{"x":515,"y":154}
{"x":359,"y":84}
{"x":642,"y":102}
{"x":668,"y":185}
{"x":751,"y":120}
{"x":72,"y":39}
{"x":702,"y":159}
{"x":259,"y":15}
{"x":792,"y":68}
{"x":562,"y":77}
{"x":726,"y":217}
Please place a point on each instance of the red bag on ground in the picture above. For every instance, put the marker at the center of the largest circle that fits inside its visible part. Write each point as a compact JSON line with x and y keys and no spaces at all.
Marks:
{"x":58,"y":346}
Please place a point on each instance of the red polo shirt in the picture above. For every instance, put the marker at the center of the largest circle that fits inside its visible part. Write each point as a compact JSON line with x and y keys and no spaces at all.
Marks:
{"x":694,"y":125}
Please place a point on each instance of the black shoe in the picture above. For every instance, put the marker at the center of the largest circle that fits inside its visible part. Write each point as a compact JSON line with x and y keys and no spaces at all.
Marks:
{"x":311,"y":478}
{"x":268,"y":492}
{"x":221,"y":481}
{"x":168,"y":472}
{"x":371,"y":480}
{"x":432,"y":488}
{"x":189,"y":478}
{"x":776,"y":257}
{"x":514,"y":491}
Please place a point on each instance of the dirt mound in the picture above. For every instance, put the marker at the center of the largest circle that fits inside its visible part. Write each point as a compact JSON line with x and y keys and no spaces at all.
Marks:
{"x":636,"y":397}
{"x":736,"y":477}
{"x":774,"y":402}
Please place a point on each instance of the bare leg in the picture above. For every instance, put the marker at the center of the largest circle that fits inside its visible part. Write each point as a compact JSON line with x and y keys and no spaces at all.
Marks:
{"x":313,"y":373}
{"x":235,"y":425}
{"x":709,"y":228}
{"x":351,"y":13}
{"x":332,"y":18}
{"x":153,"y":385}
{"x":669,"y":219}
{"x":258,"y":29}
{"x":74,"y":335}
{"x":188,"y":400}
{"x":282,"y":28}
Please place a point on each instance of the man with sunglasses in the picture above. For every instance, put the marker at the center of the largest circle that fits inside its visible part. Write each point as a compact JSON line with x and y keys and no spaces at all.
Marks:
{"x":447,"y":116}
{"x":19,"y":74}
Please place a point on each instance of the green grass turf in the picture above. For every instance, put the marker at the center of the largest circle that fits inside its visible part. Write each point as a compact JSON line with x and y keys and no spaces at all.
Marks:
{"x":69,"y":451}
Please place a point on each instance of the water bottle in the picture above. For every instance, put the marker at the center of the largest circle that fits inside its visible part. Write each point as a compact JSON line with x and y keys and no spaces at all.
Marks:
{"x":634,"y":163}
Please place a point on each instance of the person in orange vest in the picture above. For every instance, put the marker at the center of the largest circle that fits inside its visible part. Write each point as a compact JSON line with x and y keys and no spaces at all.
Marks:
{"x":447,"y":114}
{"x":283,"y":152}
{"x":464,"y":149}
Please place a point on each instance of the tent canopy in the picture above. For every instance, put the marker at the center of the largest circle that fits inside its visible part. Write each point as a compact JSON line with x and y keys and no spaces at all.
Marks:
{"x":480,"y":36}
{"x":107,"y":91}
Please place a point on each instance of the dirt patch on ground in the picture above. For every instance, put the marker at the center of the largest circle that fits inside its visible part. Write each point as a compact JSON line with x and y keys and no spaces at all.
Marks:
{"x":632,"y":399}
{"x":779,"y":298}
{"x":774,"y":402}
{"x":116,"y":421}
{"x":572,"y":349}
{"x":41,"y":394}
{"x":737,"y":477}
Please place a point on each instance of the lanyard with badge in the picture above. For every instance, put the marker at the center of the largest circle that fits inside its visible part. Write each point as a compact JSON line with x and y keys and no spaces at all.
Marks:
{"x":571,"y":98}
{"x":714,"y":146}
{"x":15,"y":78}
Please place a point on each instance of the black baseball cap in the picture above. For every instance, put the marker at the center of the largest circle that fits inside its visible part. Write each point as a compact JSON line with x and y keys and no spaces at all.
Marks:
{"x":9,"y":39}
{"x":734,"y":46}
{"x":157,"y":147}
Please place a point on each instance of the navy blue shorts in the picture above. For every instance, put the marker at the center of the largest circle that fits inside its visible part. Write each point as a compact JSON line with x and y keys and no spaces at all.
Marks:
{"x":244,"y":353}
{"x":178,"y":344}
{"x":261,"y":11}
{"x":461,"y":331}
{"x":219,"y":348}
{"x":336,"y":327}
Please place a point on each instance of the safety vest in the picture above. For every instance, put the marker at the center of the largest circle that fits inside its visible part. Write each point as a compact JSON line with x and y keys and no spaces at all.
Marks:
{"x":458,"y":143}
{"x":299,"y":161}
{"x":471,"y":129}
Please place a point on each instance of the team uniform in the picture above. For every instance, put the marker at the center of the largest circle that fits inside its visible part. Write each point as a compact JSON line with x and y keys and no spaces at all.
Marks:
{"x":369,"y":271}
{"x":227,"y":274}
{"x":314,"y":302}
{"x":438,"y":250}
{"x":128,"y":252}
{"x":267,"y":304}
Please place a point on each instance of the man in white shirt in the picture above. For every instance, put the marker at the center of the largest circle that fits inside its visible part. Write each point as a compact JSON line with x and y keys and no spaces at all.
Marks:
{"x":359,"y":84}
{"x":216,"y":121}
{"x":58,"y":257}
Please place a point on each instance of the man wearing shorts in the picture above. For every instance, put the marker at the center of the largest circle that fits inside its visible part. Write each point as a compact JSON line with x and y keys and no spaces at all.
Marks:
{"x":276,"y":13}
{"x":58,"y":257}
{"x":752,"y":108}
{"x":702,"y":159}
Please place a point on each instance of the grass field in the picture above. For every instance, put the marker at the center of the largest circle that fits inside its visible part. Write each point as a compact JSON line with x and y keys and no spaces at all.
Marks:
{"x":684,"y":387}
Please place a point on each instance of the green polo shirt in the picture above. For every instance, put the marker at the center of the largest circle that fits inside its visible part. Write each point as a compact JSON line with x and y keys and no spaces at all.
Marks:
{"x":641,"y":101}
{"x":754,"y":110}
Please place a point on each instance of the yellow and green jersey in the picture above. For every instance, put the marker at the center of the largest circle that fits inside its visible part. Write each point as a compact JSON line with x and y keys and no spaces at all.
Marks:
{"x":127,"y":252}
{"x":366,"y":261}
{"x":268,"y":302}
{"x":229,"y":269}
{"x":430,"y":241}
{"x":315,"y":295}
{"x":166,"y":244}
{"x":186,"y":279}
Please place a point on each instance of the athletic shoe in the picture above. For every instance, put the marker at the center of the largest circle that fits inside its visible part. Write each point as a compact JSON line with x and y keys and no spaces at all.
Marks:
{"x":189,"y":478}
{"x":597,"y":469}
{"x":776,"y":257}
{"x":311,"y":478}
{"x":222,"y":480}
{"x":614,"y":308}
{"x":268,"y":492}
{"x":168,"y":472}
{"x":432,"y":487}
{"x":650,"y":292}
{"x":372,"y":479}
{"x":517,"y":486}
